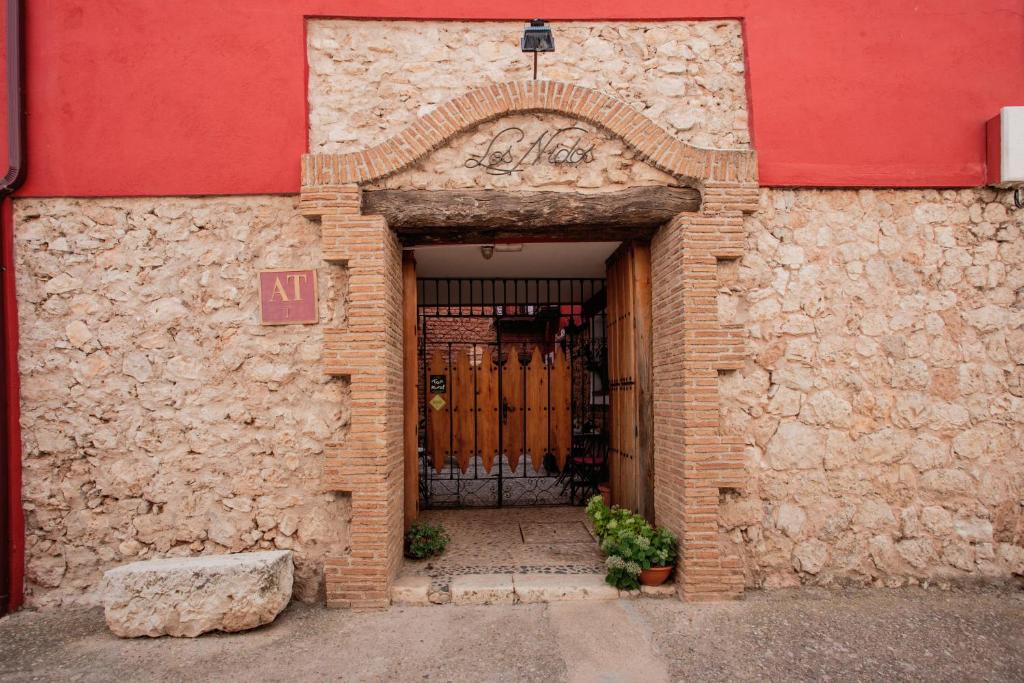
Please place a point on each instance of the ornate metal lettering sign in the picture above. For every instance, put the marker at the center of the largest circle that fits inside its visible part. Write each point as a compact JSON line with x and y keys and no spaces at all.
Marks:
{"x":511,"y":150}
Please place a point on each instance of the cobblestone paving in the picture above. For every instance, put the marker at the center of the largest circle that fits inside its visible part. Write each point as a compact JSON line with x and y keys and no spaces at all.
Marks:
{"x":542,"y":540}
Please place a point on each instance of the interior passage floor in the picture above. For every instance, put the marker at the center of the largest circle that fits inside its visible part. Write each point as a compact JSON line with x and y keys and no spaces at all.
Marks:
{"x":538,"y":540}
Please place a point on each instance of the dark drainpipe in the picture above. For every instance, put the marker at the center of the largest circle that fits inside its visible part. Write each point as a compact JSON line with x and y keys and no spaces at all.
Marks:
{"x":12,"y":532}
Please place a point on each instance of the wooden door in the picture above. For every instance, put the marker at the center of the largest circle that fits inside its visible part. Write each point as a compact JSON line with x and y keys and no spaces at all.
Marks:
{"x":495,"y":413}
{"x":631,"y":420}
{"x":410,"y":376}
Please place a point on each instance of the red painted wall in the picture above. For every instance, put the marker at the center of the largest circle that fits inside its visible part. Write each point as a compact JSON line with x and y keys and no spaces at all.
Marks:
{"x":208,"y":97}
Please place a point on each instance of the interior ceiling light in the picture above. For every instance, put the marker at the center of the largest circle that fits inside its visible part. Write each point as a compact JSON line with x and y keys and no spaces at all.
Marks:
{"x":508,"y":247}
{"x":537,"y":37}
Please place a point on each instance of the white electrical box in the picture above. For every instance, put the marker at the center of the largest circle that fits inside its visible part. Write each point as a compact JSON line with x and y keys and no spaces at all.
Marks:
{"x":1005,"y":135}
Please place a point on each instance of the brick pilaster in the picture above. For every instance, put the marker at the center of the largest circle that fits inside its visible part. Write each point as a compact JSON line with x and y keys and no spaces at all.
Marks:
{"x":368,"y":350}
{"x":694,"y":458}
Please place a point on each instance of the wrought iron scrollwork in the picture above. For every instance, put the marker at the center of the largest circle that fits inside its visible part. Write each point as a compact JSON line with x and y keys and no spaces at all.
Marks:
{"x":507,"y":153}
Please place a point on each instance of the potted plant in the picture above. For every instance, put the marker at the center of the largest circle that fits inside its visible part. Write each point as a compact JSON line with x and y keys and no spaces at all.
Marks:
{"x":659,"y":559}
{"x":425,"y":540}
{"x":637,"y":553}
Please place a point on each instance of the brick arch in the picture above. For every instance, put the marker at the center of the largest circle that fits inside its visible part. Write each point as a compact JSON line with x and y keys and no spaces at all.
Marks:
{"x":693,"y":165}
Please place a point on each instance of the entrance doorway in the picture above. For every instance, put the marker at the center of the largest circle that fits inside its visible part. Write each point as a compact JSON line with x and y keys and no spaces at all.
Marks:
{"x":528,"y":398}
{"x":695,"y":227}
{"x":514,"y":378}
{"x":527,"y":392}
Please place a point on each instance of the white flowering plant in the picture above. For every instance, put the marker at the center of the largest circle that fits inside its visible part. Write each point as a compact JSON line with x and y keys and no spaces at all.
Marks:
{"x":630,"y":543}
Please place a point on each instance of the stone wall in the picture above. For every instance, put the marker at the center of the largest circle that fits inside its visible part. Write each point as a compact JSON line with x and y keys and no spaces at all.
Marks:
{"x":882,"y":408}
{"x":370,"y":79}
{"x":884,"y":405}
{"x":159,"y":418}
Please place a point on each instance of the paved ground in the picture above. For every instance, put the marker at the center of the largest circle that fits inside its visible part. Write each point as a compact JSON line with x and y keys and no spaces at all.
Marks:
{"x":783,"y":635}
{"x":534,"y":540}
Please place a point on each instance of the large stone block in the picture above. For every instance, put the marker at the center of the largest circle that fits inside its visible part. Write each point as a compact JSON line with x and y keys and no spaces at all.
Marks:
{"x":483,"y":589}
{"x":193,"y":595}
{"x":411,"y":590}
{"x":555,"y":587}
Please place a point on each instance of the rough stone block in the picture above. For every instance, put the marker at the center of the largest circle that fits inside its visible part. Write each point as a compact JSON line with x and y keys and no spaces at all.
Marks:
{"x":483,"y":589}
{"x":189,"y":596}
{"x":439,"y":597}
{"x":411,"y":590}
{"x":555,"y":587}
{"x":665,"y":590}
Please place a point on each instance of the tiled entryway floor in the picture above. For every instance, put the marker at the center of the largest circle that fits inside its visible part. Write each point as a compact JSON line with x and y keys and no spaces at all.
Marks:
{"x":538,"y":540}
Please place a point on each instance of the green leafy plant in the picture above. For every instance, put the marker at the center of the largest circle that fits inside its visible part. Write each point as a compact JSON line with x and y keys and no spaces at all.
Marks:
{"x":630,"y":552}
{"x":599,"y":515}
{"x":630,"y":543}
{"x":648,"y":547}
{"x":664,"y":548}
{"x":425,"y":540}
{"x":609,"y":521}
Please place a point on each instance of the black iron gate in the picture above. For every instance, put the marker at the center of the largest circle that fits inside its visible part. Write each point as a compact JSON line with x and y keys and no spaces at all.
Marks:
{"x":512,"y":372}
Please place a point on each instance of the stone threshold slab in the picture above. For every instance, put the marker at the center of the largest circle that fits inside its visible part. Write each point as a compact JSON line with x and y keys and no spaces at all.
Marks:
{"x":509,"y":589}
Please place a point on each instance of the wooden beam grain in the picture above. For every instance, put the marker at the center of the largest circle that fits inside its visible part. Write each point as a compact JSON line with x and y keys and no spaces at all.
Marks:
{"x":481,"y":210}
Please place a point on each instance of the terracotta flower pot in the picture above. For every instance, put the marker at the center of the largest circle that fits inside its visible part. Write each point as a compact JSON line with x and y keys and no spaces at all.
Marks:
{"x":655,"y":576}
{"x":606,"y":493}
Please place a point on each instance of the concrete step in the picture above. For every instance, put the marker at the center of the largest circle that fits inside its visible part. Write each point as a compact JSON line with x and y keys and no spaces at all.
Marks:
{"x":507,"y":589}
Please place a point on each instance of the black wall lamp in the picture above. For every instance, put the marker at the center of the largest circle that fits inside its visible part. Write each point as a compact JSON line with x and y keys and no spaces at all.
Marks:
{"x":537,"y":37}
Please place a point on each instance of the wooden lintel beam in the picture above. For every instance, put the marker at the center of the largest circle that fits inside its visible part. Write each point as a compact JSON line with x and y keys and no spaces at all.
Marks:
{"x":416,"y":211}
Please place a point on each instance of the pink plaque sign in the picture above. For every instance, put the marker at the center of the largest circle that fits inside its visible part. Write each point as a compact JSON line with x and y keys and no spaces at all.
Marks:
{"x":288,"y":297}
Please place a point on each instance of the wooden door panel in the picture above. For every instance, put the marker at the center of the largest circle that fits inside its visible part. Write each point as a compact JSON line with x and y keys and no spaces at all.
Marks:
{"x":513,"y":415}
{"x":410,"y":392}
{"x":487,"y":410}
{"x":617,"y":440}
{"x":644,"y":380}
{"x":629,"y":359}
{"x":438,"y":413}
{"x":536,"y":409}
{"x":611,"y":322}
{"x":560,"y":421}
{"x":463,"y":410}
